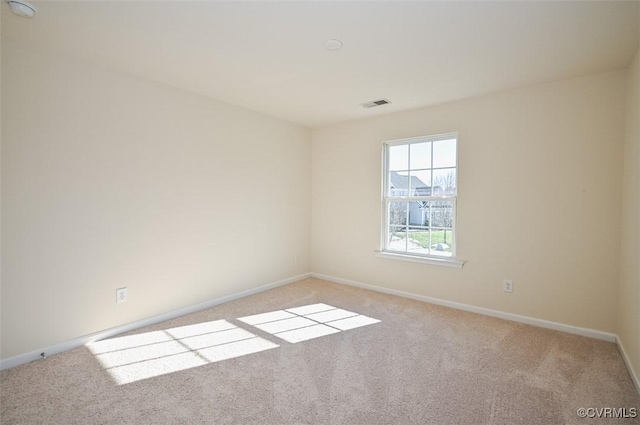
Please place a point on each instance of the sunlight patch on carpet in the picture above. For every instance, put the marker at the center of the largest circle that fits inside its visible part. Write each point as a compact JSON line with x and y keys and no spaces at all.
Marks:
{"x":142,"y":356}
{"x":307,"y":322}
{"x":136,"y":357}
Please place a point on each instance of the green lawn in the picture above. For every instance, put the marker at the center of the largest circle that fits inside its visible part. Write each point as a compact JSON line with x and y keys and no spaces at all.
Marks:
{"x":437,"y":236}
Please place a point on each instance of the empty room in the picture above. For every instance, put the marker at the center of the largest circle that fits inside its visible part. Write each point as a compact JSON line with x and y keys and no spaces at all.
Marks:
{"x":320,"y":212}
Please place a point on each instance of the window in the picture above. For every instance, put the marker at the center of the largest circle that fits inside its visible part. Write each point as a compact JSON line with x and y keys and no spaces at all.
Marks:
{"x":420,"y":193}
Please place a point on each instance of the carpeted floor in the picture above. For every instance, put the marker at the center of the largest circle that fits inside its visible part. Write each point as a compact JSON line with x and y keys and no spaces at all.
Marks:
{"x":399,"y":362}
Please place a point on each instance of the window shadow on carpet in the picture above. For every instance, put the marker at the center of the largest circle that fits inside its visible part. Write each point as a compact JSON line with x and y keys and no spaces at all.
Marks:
{"x":146,"y":355}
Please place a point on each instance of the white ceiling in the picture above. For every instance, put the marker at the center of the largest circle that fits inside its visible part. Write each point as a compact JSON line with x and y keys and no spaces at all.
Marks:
{"x":269,"y":56}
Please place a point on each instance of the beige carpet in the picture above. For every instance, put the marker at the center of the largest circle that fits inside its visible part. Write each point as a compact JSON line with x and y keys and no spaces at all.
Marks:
{"x":392,"y":361}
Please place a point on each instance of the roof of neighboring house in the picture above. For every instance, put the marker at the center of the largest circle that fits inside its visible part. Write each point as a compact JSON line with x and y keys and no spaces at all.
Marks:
{"x":401,"y":182}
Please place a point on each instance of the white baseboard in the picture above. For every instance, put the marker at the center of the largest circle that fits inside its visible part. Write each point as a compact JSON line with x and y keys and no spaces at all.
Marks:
{"x":627,"y":361}
{"x":591,"y":333}
{"x":83,"y":340}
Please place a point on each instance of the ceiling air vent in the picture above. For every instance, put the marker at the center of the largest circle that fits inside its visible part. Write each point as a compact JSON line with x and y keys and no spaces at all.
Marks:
{"x":375,"y":103}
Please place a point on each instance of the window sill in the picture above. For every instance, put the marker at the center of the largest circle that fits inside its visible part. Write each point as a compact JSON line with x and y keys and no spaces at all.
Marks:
{"x":447,"y":262}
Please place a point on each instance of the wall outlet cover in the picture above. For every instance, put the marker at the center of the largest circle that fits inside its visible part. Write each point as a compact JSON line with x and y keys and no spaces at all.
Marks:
{"x":121,"y":295}
{"x":507,"y":285}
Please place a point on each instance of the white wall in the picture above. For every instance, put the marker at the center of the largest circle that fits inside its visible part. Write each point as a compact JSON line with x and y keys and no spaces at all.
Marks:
{"x":539,"y":200}
{"x":629,"y":309}
{"x":110,"y":181}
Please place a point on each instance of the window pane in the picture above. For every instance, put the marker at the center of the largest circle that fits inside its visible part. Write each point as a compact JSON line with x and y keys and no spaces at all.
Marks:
{"x":441,"y":239}
{"x":419,"y":213}
{"x":444,"y":182}
{"x":397,"y":213}
{"x":444,"y":153}
{"x":442,"y":214}
{"x":418,"y":241}
{"x":399,"y":183}
{"x":420,"y":155}
{"x":399,"y":157}
{"x":397,"y":238}
{"x":420,"y":183}
{"x":441,"y":242}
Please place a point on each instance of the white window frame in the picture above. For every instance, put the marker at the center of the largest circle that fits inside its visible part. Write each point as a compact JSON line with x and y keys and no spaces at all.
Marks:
{"x":385,"y":252}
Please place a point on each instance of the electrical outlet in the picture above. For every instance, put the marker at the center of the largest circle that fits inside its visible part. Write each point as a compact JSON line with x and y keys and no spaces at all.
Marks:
{"x":507,"y":285}
{"x":121,"y":295}
{"x":296,"y":257}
